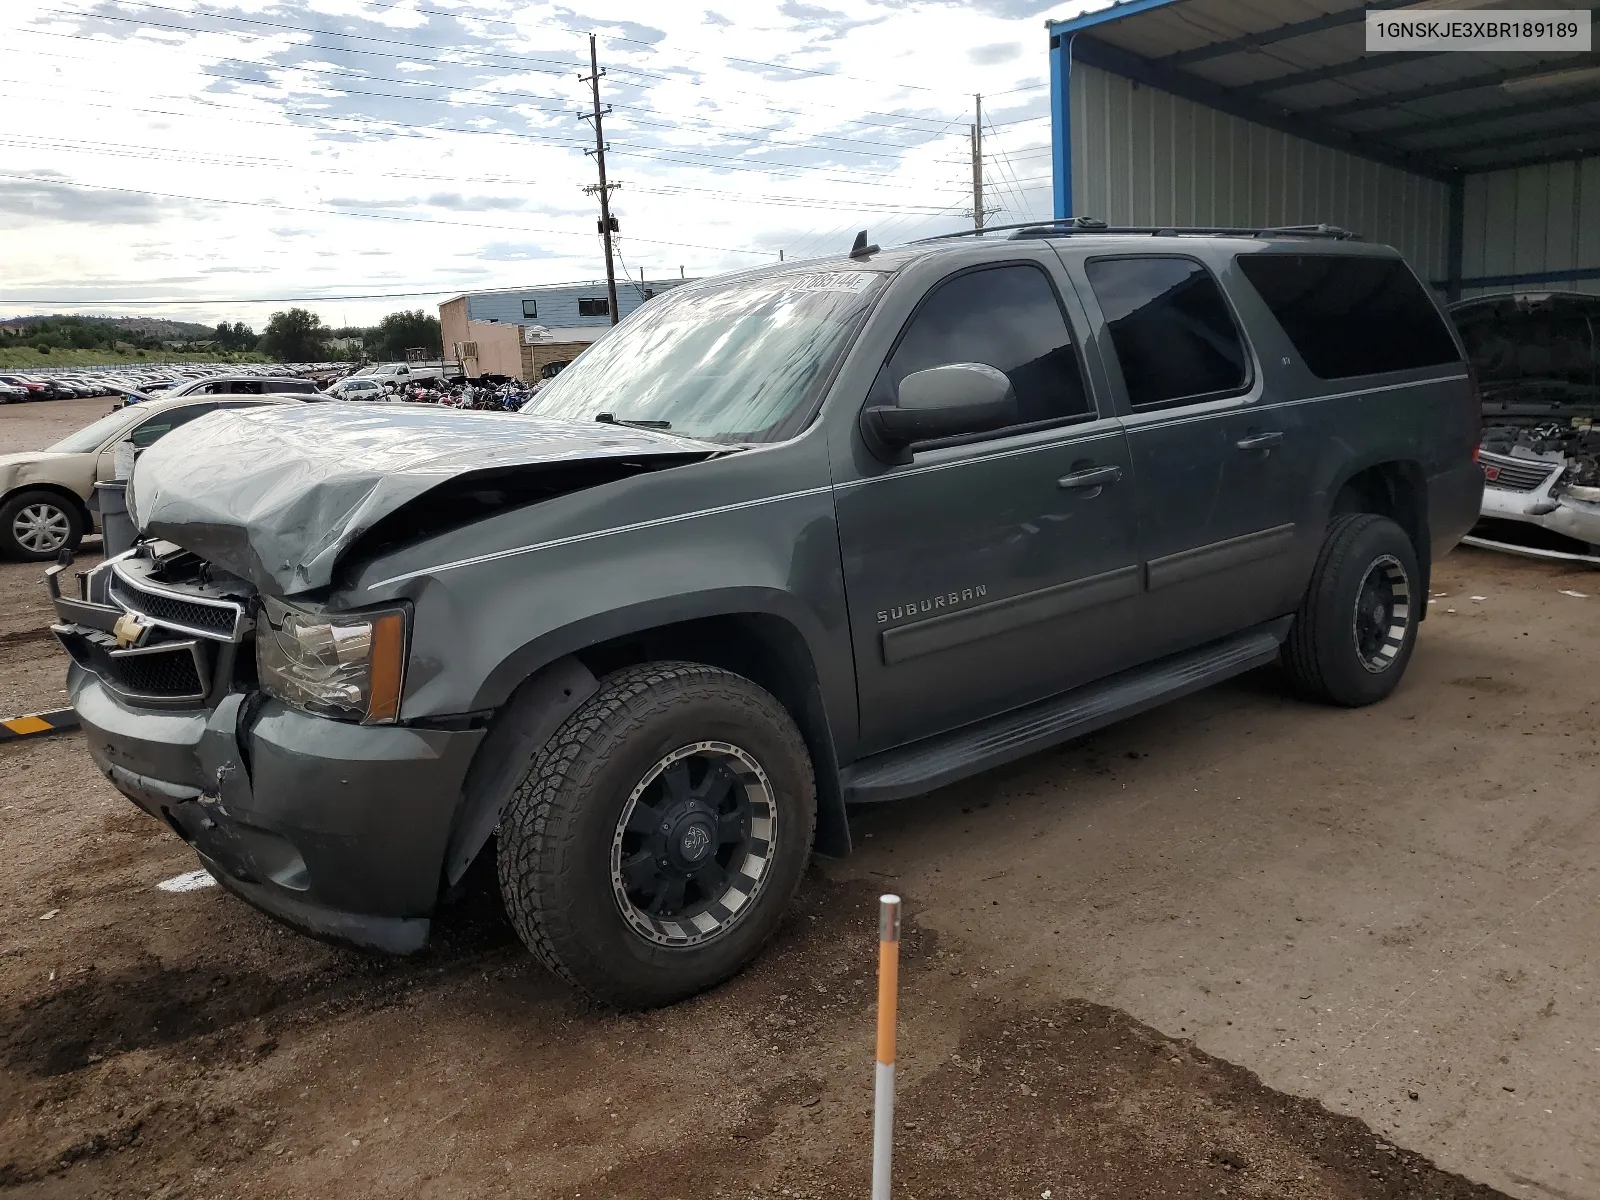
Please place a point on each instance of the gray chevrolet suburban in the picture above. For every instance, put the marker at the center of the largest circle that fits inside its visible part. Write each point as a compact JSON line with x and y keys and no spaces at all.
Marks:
{"x":782,"y":541}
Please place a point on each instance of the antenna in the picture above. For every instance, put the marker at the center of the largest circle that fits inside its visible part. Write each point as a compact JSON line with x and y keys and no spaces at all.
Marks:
{"x":861,"y":249}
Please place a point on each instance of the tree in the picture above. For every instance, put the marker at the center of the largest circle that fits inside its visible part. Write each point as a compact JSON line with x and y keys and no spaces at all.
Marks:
{"x":237,"y":336}
{"x":402,"y":331}
{"x":295,"y":336}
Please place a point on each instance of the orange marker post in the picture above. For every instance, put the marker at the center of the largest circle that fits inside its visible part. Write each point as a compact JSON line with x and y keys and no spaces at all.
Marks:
{"x":888,"y":1002}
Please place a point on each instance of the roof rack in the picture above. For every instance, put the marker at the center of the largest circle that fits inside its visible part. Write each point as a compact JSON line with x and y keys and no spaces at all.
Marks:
{"x":1066,"y":226}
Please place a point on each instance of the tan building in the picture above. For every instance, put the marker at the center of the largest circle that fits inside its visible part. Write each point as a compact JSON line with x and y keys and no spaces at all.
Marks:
{"x":517,"y":331}
{"x":506,"y":348}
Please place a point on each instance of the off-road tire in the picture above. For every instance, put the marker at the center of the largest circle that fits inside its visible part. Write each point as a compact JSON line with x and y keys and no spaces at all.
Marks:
{"x":16,"y":504}
{"x":1321,"y":655}
{"x":555,"y":836}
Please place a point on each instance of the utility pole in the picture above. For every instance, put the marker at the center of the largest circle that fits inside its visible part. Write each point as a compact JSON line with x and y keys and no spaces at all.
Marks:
{"x":603,"y":189}
{"x":977,"y":164}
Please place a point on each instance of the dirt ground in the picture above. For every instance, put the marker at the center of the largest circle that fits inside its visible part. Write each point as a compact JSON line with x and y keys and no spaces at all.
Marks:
{"x":1238,"y":946}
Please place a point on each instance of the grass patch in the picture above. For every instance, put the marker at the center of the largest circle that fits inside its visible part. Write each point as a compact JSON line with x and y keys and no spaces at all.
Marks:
{"x":26,"y":358}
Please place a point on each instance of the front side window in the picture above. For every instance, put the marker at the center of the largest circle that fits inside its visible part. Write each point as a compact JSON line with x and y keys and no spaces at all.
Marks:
{"x":741,"y":361}
{"x":1004,"y":317}
{"x":1174,"y":336}
{"x":1351,"y":315}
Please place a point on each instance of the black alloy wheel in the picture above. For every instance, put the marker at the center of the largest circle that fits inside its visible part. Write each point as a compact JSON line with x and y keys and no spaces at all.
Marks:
{"x":693,"y":844}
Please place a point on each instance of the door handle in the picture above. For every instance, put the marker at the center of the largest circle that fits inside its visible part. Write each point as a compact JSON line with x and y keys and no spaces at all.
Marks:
{"x":1260,"y":441}
{"x":1093,"y":477}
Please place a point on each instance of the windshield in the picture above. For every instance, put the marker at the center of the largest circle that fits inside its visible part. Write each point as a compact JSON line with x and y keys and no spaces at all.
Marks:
{"x":739,"y":362}
{"x":90,"y":436}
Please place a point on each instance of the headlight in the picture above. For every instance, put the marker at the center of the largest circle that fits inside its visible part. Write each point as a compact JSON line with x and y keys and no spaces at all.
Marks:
{"x":347,"y":666}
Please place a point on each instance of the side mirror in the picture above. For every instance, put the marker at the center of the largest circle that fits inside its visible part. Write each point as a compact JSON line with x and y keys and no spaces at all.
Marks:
{"x":940,"y":402}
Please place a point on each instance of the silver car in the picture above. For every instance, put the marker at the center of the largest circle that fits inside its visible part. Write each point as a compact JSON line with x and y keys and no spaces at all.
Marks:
{"x":1537,"y":361}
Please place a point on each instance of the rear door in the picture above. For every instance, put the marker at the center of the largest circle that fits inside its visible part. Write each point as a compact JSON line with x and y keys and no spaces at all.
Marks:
{"x":992,"y":570}
{"x":1218,"y":499}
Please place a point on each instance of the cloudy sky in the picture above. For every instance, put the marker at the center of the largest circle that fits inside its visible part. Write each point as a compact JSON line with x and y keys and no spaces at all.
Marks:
{"x":215,"y":161}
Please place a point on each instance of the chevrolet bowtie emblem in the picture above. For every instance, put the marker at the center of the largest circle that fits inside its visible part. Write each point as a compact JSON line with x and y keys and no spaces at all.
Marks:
{"x":130,"y":630}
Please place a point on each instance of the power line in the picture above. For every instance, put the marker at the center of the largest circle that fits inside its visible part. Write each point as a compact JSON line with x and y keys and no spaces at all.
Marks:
{"x":331,"y":212}
{"x":700,"y":158}
{"x":277,"y":299}
{"x":743,"y":133}
{"x":168,"y":154}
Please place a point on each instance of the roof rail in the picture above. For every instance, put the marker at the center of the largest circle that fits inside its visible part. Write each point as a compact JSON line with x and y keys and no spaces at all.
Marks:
{"x":1067,"y":226}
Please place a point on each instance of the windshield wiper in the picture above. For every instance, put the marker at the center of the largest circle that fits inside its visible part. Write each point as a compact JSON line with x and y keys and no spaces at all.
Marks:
{"x":613,"y":419}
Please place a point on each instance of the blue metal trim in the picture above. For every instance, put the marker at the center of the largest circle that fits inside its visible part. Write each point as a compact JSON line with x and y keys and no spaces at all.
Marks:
{"x":1455,"y":237}
{"x":1572,"y":276}
{"x":1061,"y":123}
{"x":1116,"y":12}
{"x":1096,"y":53}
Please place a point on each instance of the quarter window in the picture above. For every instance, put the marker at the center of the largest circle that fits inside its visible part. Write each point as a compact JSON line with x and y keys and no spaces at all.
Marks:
{"x":1173,"y":333}
{"x":1004,"y":317}
{"x":1351,"y":315}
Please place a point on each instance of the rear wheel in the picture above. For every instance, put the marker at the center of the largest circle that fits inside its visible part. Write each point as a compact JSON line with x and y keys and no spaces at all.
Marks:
{"x":659,"y":836}
{"x":37,"y":525}
{"x":1354,"y":632}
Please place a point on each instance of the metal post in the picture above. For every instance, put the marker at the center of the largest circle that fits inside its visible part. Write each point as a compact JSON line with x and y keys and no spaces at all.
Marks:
{"x":888,"y":1001}
{"x":1455,"y":236}
{"x":604,"y":188}
{"x":1061,"y":122}
{"x":977,"y":164}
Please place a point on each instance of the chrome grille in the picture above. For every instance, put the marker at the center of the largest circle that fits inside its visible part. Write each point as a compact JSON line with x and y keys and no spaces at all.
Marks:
{"x":167,"y":671}
{"x":189,"y":614}
{"x":1515,"y":474}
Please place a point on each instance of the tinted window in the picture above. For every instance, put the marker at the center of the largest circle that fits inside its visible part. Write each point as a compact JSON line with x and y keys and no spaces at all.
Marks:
{"x":1351,"y":316}
{"x":163,"y":423}
{"x":1007,"y":318}
{"x":1172,"y":330}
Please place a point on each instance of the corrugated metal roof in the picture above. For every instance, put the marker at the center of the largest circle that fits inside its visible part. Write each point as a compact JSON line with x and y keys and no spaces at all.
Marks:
{"x":1304,"y":63}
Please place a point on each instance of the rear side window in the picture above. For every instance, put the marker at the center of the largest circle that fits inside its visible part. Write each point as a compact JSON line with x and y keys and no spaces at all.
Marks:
{"x":1174,"y":336}
{"x":148,"y":432}
{"x":1004,"y":317}
{"x":1351,"y":316}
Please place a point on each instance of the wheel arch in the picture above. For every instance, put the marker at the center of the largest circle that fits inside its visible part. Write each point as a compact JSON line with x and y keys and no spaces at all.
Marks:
{"x":1393,"y":488}
{"x":764,"y":647}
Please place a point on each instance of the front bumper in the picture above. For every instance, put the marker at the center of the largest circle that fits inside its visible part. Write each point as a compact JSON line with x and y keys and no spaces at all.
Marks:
{"x":1546,"y":508}
{"x":336,"y":829}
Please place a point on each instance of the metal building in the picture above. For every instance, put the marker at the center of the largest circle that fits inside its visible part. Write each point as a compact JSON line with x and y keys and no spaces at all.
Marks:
{"x":1483,"y":169}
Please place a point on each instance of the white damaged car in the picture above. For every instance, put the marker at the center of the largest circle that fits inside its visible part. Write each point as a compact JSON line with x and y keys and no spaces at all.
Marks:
{"x":1537,"y":361}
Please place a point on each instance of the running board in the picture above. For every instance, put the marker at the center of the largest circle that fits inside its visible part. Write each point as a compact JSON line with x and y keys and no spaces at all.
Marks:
{"x":932,"y":763}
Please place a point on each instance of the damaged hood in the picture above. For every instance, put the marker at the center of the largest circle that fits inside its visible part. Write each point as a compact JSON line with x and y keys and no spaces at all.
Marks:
{"x":276,"y":495}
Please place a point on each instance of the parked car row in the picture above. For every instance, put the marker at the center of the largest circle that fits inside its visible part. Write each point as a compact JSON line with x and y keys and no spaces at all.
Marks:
{"x":18,"y":387}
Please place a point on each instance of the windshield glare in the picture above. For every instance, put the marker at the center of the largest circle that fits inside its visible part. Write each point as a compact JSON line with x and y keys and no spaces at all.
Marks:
{"x":90,"y":436}
{"x":737,"y":362}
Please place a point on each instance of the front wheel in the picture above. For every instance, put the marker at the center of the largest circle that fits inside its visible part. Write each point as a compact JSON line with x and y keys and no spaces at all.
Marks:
{"x":37,"y":525}
{"x":1355,"y":630}
{"x":658,"y":837}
